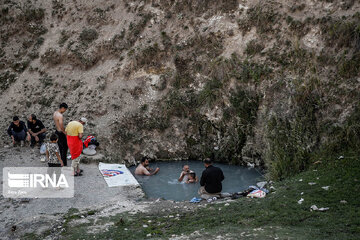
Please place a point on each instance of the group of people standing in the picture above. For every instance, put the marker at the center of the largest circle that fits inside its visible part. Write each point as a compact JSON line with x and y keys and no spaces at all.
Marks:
{"x":210,"y":181}
{"x":62,"y":140}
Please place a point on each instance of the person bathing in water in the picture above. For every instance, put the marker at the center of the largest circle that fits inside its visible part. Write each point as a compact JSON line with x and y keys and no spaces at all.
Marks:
{"x":144,"y":169}
{"x":187,"y":175}
{"x":192,"y":178}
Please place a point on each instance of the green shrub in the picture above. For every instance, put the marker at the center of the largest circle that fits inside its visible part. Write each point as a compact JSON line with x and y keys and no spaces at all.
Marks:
{"x":88,"y":35}
{"x":291,"y":140}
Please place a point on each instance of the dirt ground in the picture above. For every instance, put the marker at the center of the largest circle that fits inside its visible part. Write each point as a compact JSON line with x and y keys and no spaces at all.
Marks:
{"x":91,"y":193}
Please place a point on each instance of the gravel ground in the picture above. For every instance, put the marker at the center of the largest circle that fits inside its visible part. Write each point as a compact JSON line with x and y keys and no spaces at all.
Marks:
{"x":91,"y":192}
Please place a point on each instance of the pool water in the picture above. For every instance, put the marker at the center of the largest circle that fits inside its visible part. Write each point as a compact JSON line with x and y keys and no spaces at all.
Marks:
{"x":165,"y":184}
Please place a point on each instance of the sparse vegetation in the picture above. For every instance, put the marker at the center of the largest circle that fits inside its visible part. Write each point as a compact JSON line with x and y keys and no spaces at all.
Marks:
{"x":64,"y":36}
{"x":253,"y":48}
{"x":6,"y":79}
{"x":88,"y":35}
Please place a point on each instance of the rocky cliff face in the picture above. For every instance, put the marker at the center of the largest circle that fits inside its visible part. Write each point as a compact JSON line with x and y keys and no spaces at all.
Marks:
{"x":264,"y":82}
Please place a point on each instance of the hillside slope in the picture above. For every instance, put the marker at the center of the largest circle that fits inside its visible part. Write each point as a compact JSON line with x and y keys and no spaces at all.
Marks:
{"x":264,"y":82}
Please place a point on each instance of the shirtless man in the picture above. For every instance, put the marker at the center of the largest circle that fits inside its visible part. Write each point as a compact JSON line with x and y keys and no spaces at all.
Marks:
{"x":184,"y":174}
{"x":144,"y":169}
{"x":60,"y":131}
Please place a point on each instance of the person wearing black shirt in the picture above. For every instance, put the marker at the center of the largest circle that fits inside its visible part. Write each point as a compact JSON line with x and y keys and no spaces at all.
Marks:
{"x":37,"y":130}
{"x":18,"y":131}
{"x":210,"y":181}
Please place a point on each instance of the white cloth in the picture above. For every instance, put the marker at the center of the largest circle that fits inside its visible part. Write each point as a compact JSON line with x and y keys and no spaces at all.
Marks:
{"x":116,"y":175}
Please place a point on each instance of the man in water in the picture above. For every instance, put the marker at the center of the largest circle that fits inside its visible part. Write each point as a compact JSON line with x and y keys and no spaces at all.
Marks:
{"x":144,"y":169}
{"x":184,"y":175}
{"x":60,"y":131}
{"x":18,"y":131}
{"x":210,"y":181}
{"x":37,"y":130}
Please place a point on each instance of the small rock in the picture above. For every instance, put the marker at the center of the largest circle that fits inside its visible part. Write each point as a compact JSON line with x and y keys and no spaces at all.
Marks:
{"x":343,"y":201}
{"x":341,"y":157}
{"x":315,"y":208}
{"x":125,"y":229}
{"x":325,"y":188}
{"x":145,"y":226}
{"x":300,"y":180}
{"x":302,"y":193}
{"x":148,"y":235}
{"x":226,"y":204}
{"x":300,"y":201}
{"x":312,"y":183}
{"x":149,"y":221}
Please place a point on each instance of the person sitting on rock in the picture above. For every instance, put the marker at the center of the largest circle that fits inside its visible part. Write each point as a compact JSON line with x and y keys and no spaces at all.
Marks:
{"x":37,"y":130}
{"x":18,"y":131}
{"x":144,"y":169}
{"x":210,"y":181}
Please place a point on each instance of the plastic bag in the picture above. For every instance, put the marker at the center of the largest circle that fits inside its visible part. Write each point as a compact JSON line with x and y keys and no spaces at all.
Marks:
{"x":43,"y":148}
{"x":257,"y":194}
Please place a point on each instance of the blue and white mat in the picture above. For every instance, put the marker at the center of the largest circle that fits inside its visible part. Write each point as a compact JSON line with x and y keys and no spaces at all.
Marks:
{"x":117,"y":175}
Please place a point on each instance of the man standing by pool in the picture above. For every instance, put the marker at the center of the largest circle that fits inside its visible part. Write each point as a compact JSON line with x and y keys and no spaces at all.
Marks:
{"x":60,"y":131}
{"x":74,"y":133}
{"x":144,"y":169}
{"x":210,"y":181}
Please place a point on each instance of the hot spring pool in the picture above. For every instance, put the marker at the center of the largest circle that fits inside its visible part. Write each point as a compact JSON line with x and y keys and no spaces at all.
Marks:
{"x":165,"y":184}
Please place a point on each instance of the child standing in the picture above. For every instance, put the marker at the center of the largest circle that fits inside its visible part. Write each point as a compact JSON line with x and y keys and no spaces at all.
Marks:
{"x":53,"y":153}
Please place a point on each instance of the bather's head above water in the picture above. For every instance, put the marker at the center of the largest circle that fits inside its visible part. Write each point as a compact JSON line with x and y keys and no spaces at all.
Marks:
{"x":144,"y":161}
{"x":144,"y":169}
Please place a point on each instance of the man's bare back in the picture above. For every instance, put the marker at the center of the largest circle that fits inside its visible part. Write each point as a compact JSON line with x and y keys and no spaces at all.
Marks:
{"x":59,"y":121}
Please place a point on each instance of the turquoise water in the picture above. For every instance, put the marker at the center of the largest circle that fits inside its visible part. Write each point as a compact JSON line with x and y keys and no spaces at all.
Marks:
{"x":165,"y":184}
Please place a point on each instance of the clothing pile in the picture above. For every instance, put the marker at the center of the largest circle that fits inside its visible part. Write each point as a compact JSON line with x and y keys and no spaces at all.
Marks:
{"x":90,"y":144}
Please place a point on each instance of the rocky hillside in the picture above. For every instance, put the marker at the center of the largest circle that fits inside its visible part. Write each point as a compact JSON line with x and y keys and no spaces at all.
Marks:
{"x":264,"y":82}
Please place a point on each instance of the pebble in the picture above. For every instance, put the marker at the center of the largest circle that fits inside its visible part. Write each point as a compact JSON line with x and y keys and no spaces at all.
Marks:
{"x":343,"y":201}
{"x":312,"y":183}
{"x":325,"y":188}
{"x":145,"y":226}
{"x":148,"y":235}
{"x":226,"y":204}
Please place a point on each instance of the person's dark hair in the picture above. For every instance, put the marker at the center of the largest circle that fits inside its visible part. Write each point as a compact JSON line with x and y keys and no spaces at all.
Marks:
{"x":63,"y":105}
{"x":33,"y":117}
{"x":192,"y":174}
{"x":53,"y":137}
{"x":15,"y":118}
{"x":143,"y":159}
{"x":208,"y":161}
